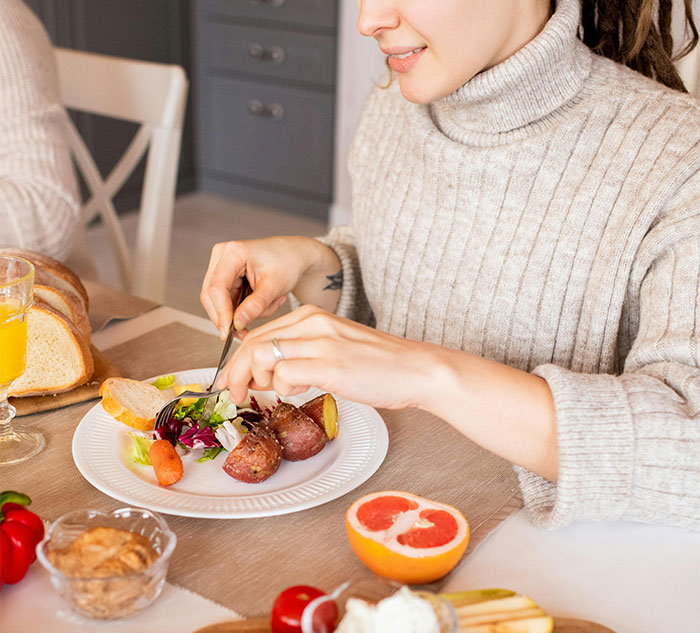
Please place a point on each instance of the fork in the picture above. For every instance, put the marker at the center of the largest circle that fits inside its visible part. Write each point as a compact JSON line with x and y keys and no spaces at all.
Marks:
{"x":164,"y":414}
{"x":166,"y":411}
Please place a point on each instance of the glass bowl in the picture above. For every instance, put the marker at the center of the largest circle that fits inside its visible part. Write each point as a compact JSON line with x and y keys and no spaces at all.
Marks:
{"x":115,"y":596}
{"x":319,"y":612}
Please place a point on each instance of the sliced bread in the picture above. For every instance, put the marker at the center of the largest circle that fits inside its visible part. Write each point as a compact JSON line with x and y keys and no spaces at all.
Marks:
{"x":132,"y":402}
{"x":68,"y":304}
{"x":51,"y":272}
{"x":58,"y":356}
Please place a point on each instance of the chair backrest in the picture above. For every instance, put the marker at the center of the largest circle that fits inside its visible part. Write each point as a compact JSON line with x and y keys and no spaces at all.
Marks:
{"x":153,"y":95}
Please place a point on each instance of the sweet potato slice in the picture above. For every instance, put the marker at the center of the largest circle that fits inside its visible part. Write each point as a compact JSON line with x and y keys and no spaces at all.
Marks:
{"x":324,"y":411}
{"x":298,"y":434}
{"x":256,"y":457}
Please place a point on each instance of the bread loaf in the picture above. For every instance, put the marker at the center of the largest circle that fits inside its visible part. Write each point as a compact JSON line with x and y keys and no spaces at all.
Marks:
{"x":58,"y":356}
{"x":51,"y":272}
{"x":132,"y":402}
{"x":68,"y":304}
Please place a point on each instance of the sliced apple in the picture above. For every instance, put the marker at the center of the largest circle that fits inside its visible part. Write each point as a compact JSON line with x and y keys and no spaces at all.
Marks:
{"x":324,"y":411}
{"x":543,"y":624}
{"x":500,"y":616}
{"x":464,"y":598}
{"x":508,"y":614}
{"x":502,"y":605}
{"x":498,"y":611}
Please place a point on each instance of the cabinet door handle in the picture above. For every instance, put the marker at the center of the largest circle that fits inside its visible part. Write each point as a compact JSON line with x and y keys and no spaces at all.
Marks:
{"x":271,"y":3}
{"x":258,"y":108}
{"x":258,"y":52}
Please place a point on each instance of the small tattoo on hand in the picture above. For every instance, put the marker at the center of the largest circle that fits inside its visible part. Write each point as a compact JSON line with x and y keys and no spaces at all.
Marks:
{"x":336,"y":281}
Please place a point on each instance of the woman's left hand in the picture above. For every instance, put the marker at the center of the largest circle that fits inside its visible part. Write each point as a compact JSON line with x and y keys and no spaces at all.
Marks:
{"x":322,"y":350}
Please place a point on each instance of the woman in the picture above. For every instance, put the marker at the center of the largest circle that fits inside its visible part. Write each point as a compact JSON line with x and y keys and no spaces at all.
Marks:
{"x":525,"y":229}
{"x":39,"y":202}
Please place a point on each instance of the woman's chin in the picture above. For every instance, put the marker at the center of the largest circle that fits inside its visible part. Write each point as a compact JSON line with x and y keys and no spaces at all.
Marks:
{"x":416,"y":93}
{"x":424,"y":92}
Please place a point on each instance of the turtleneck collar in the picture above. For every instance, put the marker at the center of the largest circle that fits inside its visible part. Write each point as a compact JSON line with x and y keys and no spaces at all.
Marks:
{"x":525,"y":91}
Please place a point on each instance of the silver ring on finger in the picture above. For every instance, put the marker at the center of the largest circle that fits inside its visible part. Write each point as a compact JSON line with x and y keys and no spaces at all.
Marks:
{"x":276,"y":349}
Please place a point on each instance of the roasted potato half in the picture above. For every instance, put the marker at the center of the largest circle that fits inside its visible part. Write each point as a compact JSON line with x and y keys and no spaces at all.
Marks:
{"x":256,"y":457}
{"x":298,"y":434}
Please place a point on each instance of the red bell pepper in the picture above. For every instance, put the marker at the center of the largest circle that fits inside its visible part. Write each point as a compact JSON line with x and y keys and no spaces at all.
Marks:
{"x":20,"y":532}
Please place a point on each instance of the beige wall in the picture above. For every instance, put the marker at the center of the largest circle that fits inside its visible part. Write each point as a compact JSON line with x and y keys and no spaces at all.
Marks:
{"x":360,"y":64}
{"x":689,"y":66}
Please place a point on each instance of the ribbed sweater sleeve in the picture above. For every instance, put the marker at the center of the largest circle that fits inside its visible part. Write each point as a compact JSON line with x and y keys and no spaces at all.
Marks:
{"x":629,"y":444}
{"x":39,"y":207}
{"x":353,"y":302}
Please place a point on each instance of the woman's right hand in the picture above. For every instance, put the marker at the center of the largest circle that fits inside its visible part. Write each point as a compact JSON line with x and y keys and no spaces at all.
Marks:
{"x":274,"y":267}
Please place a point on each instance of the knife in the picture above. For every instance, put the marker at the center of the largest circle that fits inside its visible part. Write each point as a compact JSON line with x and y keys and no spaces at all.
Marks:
{"x":210,"y":404}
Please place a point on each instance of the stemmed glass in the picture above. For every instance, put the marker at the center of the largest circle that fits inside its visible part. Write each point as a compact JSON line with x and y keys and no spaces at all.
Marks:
{"x":17,"y":443}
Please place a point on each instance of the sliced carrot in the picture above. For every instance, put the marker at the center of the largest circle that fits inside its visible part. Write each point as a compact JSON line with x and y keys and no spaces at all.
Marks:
{"x":166,"y":462}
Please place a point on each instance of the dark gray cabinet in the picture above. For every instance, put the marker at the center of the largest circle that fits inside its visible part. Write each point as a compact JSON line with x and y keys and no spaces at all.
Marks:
{"x":263,"y":75}
{"x":286,"y":148}
{"x":265,"y":100}
{"x":153,"y":30}
{"x":276,"y":54}
{"x":303,"y":13}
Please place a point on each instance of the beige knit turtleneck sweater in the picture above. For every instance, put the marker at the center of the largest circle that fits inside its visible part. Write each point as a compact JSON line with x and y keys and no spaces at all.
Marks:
{"x":39,"y":207}
{"x":547,"y":215}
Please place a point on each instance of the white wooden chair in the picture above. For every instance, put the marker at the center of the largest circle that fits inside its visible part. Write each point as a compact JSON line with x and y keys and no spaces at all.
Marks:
{"x":151,"y":94}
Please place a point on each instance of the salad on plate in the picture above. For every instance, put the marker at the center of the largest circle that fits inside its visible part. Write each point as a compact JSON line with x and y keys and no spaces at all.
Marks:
{"x":255,"y":437}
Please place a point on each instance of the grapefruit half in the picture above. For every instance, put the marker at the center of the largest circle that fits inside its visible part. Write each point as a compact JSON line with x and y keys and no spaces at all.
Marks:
{"x":405,"y":537}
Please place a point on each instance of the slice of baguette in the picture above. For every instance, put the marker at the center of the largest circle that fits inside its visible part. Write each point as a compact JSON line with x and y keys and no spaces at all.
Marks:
{"x":68,"y":304}
{"x":58,"y":356}
{"x":51,"y":272}
{"x":132,"y":402}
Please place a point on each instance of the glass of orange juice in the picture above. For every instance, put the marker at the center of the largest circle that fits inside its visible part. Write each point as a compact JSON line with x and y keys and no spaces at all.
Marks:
{"x":17,"y":443}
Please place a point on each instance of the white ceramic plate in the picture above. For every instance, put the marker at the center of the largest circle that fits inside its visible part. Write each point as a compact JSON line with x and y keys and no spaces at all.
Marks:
{"x":101,"y":445}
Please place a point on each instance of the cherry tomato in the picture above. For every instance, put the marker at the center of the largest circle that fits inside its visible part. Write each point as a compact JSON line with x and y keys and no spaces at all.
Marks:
{"x":290,"y":604}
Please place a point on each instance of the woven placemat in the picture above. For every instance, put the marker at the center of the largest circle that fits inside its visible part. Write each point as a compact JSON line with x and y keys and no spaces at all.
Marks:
{"x":108,"y":304}
{"x":244,"y":563}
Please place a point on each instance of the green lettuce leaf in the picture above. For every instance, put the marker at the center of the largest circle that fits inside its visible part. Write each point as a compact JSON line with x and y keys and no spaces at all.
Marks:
{"x":193,"y":410}
{"x":164,"y":382}
{"x":224,"y":410}
{"x":215,"y":420}
{"x":210,"y":453}
{"x":139,"y":448}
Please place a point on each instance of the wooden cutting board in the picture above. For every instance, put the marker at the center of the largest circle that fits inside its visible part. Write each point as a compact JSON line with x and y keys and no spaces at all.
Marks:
{"x":262,"y":625}
{"x":34,"y":404}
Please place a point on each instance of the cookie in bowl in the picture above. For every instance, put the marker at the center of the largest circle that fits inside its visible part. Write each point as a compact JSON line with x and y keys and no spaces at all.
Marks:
{"x":108,"y":565}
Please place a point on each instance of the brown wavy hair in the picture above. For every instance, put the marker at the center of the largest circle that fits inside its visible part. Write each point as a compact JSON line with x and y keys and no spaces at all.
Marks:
{"x":637,"y":33}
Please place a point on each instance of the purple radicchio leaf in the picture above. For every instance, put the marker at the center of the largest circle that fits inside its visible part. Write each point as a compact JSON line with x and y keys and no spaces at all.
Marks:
{"x":195,"y":437}
{"x":263,"y":412}
{"x":172,"y":429}
{"x":251,"y":417}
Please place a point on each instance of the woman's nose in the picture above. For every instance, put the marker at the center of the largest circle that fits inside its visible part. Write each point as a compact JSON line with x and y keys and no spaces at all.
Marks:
{"x":376,"y":15}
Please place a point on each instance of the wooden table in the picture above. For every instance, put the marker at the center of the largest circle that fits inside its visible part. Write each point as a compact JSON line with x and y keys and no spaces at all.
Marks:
{"x":630,"y":577}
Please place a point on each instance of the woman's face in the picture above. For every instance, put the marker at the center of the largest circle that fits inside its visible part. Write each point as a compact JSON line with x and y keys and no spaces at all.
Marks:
{"x":436,"y":46}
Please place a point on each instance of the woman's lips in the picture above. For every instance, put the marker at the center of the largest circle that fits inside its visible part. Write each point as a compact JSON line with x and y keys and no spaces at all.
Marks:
{"x":404,"y":64}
